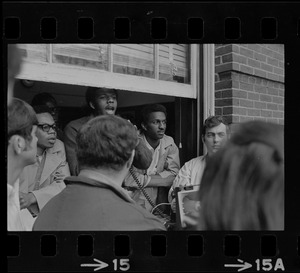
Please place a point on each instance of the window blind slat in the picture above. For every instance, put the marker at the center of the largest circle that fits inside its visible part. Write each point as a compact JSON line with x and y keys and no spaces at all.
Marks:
{"x":34,"y":52}
{"x":130,"y":59}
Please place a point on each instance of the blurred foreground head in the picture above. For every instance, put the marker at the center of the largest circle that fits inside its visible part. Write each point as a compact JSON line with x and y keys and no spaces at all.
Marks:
{"x":106,"y":141}
{"x":243,"y":184}
{"x":14,"y":61}
{"x":21,"y":138}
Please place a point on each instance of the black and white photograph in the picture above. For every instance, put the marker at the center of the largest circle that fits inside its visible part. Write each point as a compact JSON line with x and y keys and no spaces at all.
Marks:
{"x":151,"y":136}
{"x":101,"y":135}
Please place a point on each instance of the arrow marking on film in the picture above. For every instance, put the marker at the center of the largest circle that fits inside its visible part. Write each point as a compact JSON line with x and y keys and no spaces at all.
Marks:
{"x":99,"y":265}
{"x":243,"y":265}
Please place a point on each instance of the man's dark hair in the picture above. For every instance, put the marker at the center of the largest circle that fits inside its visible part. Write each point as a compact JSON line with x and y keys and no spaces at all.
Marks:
{"x":213,"y":121}
{"x":150,"y":108}
{"x":20,"y":119}
{"x":42,"y":99}
{"x":105,"y":141}
{"x":91,"y":94}
{"x":39,"y":109}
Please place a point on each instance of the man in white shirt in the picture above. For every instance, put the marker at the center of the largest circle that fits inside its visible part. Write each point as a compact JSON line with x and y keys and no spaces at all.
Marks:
{"x":215,"y":133}
{"x":21,"y":151}
{"x":165,"y":164}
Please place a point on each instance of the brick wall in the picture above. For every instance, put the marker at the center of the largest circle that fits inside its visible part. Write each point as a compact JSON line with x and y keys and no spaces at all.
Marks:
{"x":249,"y":82}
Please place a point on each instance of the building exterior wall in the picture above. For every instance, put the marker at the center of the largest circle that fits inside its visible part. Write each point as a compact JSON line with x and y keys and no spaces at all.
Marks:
{"x":249,"y":82}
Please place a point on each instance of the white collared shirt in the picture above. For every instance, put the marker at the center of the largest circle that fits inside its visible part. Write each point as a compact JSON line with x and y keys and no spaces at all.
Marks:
{"x":190,"y":174}
{"x":155,"y":157}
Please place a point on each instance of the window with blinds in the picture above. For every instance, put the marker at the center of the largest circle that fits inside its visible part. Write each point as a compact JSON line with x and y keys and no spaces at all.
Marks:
{"x":130,"y":59}
{"x":134,"y":59}
{"x":149,"y":68}
{"x":174,"y":62}
{"x":35,"y":52}
{"x":83,"y":55}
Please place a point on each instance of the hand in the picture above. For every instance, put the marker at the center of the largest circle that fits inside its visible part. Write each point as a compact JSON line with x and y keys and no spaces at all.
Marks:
{"x":173,"y":205}
{"x":166,"y":165}
{"x":190,"y":222}
{"x":191,"y":207}
{"x":26,"y":199}
{"x":58,"y":177}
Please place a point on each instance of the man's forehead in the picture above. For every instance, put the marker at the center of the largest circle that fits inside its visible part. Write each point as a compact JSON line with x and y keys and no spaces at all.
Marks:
{"x":217,"y":129}
{"x":157,"y":115}
{"x":45,"y":117}
{"x":50,"y":104}
{"x":105,"y":91}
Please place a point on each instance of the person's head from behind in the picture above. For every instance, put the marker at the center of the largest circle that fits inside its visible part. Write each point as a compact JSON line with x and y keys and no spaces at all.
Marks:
{"x":48,"y":100}
{"x":215,"y":133}
{"x":106,"y":142}
{"x":14,"y":61}
{"x":242,"y":187}
{"x":46,"y":131}
{"x":21,"y":138}
{"x":101,"y":101}
{"x":154,"y":121}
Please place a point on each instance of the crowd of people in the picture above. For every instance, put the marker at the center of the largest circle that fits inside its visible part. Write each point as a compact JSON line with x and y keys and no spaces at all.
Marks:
{"x":103,"y":173}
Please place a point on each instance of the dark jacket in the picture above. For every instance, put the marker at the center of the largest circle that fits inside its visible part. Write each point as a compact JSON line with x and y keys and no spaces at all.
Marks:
{"x":70,"y":133}
{"x":142,"y":157}
{"x":88,"y":204}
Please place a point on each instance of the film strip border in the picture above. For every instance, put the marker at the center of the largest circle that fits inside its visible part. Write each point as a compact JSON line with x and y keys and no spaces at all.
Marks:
{"x":151,"y":22}
{"x":122,"y":28}
{"x":144,"y":251}
{"x":162,"y":23}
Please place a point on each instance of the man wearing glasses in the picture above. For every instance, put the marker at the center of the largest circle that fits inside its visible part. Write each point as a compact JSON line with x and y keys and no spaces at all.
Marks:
{"x":44,"y":179}
{"x":215,"y":132}
{"x":47,"y":99}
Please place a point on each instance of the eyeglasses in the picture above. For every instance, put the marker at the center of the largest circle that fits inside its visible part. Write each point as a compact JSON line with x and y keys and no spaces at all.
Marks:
{"x":46,"y":127}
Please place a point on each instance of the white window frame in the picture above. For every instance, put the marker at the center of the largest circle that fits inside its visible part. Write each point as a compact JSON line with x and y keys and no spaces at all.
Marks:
{"x":208,"y":70}
{"x":75,"y":75}
{"x":208,"y":80}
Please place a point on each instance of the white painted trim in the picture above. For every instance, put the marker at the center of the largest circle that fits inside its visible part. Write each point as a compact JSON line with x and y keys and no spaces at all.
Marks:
{"x":50,"y":53}
{"x":208,"y":70}
{"x":208,"y":80}
{"x":110,"y":57}
{"x":199,"y":63}
{"x":156,"y":61}
{"x":61,"y":73}
{"x":194,"y":69}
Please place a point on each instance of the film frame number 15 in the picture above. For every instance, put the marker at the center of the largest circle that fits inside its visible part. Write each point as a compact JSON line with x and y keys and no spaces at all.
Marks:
{"x":121,"y":264}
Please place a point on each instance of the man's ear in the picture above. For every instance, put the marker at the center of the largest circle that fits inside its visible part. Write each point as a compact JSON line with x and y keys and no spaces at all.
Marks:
{"x":143,"y":126}
{"x":18,"y":143}
{"x":203,"y":140}
{"x":91,"y":105}
{"x":129,"y":162}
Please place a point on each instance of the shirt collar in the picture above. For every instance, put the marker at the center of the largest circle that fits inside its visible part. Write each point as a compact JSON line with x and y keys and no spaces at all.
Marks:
{"x":149,"y":146}
{"x":103,"y":179}
{"x":40,"y":157}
